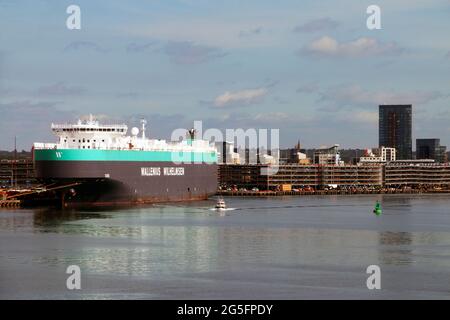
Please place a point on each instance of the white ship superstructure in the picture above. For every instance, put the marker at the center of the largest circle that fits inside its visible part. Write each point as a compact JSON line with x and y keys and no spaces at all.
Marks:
{"x":90,"y":134}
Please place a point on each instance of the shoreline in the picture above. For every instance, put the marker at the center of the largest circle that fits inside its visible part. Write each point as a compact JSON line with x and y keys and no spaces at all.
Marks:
{"x":323,"y":193}
{"x":13,"y":204}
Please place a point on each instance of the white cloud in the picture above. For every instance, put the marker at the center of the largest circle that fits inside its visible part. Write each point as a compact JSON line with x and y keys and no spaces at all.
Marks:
{"x":327,"y":46}
{"x":245,"y":97}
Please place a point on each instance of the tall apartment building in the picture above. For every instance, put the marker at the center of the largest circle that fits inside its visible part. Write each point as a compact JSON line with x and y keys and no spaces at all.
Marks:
{"x":395,"y":129}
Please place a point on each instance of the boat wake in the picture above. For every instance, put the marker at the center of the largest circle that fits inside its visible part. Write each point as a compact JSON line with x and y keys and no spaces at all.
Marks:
{"x":223,"y":209}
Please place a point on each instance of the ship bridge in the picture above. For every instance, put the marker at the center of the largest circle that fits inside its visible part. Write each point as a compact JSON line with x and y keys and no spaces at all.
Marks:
{"x":89,"y":134}
{"x":88,"y":127}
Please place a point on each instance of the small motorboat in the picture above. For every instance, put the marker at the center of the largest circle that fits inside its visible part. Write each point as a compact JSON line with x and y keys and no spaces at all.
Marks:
{"x":220,"y":205}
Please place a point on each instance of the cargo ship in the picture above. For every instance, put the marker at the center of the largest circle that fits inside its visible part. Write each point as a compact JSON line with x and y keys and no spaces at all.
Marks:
{"x":93,"y":164}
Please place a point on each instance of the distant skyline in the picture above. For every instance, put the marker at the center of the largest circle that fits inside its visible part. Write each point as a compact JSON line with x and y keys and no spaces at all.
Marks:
{"x":310,"y":68}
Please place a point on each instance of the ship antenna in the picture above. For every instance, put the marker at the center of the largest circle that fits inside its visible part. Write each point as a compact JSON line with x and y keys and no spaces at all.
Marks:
{"x":143,"y":122}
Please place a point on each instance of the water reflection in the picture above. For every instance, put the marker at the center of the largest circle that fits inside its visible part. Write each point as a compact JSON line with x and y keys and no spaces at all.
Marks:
{"x":403,"y":203}
{"x":50,"y":217}
{"x":306,"y":238}
{"x":395,"y":248}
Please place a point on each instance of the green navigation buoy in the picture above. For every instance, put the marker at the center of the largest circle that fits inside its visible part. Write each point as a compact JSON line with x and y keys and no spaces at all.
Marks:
{"x":377,"y":209}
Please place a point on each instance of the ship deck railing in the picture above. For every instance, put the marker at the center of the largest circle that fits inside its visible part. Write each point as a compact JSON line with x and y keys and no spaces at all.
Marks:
{"x":54,"y":146}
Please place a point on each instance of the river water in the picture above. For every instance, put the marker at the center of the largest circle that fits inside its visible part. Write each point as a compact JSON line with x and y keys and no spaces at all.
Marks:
{"x":307,"y":247}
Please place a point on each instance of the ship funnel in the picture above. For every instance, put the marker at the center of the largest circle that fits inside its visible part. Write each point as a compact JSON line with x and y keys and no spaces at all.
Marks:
{"x":191,"y":133}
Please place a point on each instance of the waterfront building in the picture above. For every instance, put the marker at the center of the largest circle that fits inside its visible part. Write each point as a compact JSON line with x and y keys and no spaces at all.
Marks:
{"x":227,"y":153}
{"x":291,"y":156}
{"x":431,"y":149}
{"x":379,"y":155}
{"x":294,"y":156}
{"x":328,"y":156}
{"x":413,"y":173}
{"x":299,"y":176}
{"x":417,"y":173}
{"x":395,"y":129}
{"x":16,"y":173}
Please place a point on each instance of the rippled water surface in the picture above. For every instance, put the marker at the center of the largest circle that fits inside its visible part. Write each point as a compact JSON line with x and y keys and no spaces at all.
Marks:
{"x":275,"y":248}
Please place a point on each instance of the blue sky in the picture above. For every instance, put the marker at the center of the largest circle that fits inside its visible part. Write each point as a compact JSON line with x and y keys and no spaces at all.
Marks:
{"x":310,"y":68}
